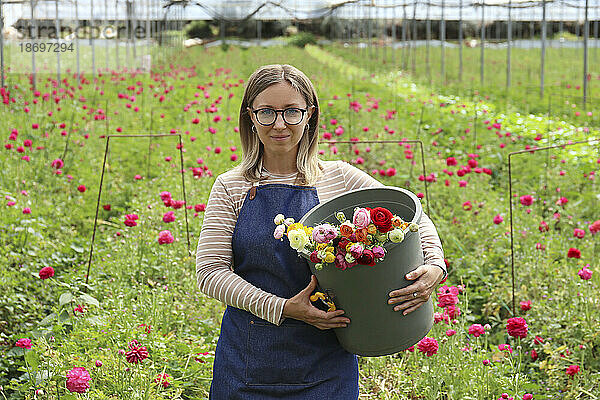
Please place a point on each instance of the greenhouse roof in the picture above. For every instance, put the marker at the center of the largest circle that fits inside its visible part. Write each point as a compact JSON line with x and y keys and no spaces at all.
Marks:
{"x":471,"y":10}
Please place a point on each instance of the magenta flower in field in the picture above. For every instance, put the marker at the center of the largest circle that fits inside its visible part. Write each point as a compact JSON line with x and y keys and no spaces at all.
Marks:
{"x":169,"y":216}
{"x":543,"y":227}
{"x":498,"y":219}
{"x":447,"y":296}
{"x":136,"y":352}
{"x":595,"y":227}
{"x":476,"y":330}
{"x":81,"y":188}
{"x":585,"y":273}
{"x":137,"y":177}
{"x":451,"y":161}
{"x":58,"y":163}
{"x":24,"y":343}
{"x":462,"y":183}
{"x":428,"y":346}
{"x":165,"y":237}
{"x":526,"y":200}
{"x":46,"y":272}
{"x":578,"y":233}
{"x":562,"y":201}
{"x":504,"y":346}
{"x":162,"y":380}
{"x":78,"y":380}
{"x":517,"y":327}
{"x":527,"y":396}
{"x":525,"y":305}
{"x":27,"y":210}
{"x":450,"y":332}
{"x":572,"y":370}
{"x":574,"y":253}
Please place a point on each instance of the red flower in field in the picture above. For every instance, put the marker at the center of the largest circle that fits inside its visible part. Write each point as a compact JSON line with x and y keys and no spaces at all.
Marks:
{"x":81,"y":188}
{"x":428,"y":346}
{"x":136,"y":353}
{"x":162,"y":379}
{"x":578,"y":233}
{"x":476,"y":330}
{"x":200,"y":207}
{"x":595,"y":227}
{"x":517,"y":327}
{"x":543,"y":227}
{"x":562,"y":201}
{"x":572,"y":370}
{"x":46,"y":272}
{"x":78,"y":380}
{"x":534,"y":355}
{"x":525,"y":305}
{"x":585,"y":273}
{"x":24,"y":343}
{"x":169,"y":216}
{"x":447,"y":296}
{"x":202,"y":357}
{"x":147,"y":328}
{"x":574,"y":253}
{"x":538,"y":340}
{"x":504,"y":346}
{"x":467,"y":206}
{"x":526,"y":200}
{"x":451,"y":161}
{"x":382,"y":218}
{"x":58,"y":163}
{"x":106,"y":207}
{"x":498,"y":219}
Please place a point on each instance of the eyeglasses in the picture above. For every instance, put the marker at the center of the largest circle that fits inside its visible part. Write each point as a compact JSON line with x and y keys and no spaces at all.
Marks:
{"x":291,"y":116}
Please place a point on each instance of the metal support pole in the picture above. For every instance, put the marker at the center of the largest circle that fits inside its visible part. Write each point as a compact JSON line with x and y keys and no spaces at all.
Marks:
{"x":543,"y":48}
{"x":460,"y":42}
{"x":508,"y":43}
{"x":482,"y":42}
{"x":57,"y":26}
{"x":1,"y":45}
{"x":586,"y":34}
{"x":34,"y":37}
{"x":442,"y":47}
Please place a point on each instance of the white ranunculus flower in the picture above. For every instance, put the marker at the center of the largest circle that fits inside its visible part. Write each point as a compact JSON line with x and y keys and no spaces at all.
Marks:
{"x":279,"y":218}
{"x":298,"y":239}
{"x":413,"y":227}
{"x":396,"y":235}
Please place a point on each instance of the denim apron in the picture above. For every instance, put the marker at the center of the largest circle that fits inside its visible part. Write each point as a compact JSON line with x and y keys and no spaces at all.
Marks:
{"x":254,"y":358}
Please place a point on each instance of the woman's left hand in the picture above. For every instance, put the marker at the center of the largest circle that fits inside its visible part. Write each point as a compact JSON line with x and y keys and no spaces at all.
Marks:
{"x":427,"y":277}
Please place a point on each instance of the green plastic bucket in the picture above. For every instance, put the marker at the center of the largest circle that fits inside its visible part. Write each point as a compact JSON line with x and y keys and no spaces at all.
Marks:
{"x":363,"y":291}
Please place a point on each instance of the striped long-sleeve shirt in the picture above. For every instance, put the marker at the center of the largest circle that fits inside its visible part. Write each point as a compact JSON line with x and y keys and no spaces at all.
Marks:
{"x":214,"y":255}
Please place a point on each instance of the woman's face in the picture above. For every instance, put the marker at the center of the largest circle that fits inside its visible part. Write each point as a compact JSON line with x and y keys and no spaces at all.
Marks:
{"x":280,"y":137}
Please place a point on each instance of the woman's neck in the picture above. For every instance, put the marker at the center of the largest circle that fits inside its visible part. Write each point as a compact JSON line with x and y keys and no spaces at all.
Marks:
{"x":279,"y":165}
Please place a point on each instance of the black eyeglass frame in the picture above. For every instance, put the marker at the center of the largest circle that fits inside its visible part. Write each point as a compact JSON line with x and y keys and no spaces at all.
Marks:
{"x":304,"y":110}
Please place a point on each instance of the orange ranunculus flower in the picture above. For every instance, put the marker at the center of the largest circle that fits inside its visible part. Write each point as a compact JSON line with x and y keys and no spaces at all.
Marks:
{"x":396,"y":221}
{"x":361,"y":235}
{"x":346,"y":230}
{"x":296,"y":225}
{"x":405,"y":225}
{"x":372,"y":229}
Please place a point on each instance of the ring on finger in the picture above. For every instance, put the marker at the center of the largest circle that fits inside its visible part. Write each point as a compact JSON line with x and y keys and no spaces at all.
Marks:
{"x":415,"y":294}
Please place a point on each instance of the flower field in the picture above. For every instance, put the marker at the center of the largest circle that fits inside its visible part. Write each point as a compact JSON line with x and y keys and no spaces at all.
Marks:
{"x":132,"y":323}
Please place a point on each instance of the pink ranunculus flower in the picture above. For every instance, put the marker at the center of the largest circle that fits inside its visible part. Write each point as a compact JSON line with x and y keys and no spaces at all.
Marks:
{"x":165,"y":195}
{"x":165,"y":237}
{"x":46,"y":272}
{"x":324,"y":233}
{"x":169,"y":216}
{"x":578,"y":233}
{"x":361,"y":218}
{"x":450,"y":332}
{"x":476,"y":330}
{"x":24,"y":343}
{"x":447,"y":296}
{"x":428,"y":346}
{"x":378,"y":251}
{"x":595,"y":227}
{"x":498,"y":219}
{"x":585,"y":273}
{"x":356,"y":250}
{"x":517,"y":327}
{"x":572,"y":370}
{"x":279,"y":230}
{"x":78,"y":380}
{"x":525,"y":305}
{"x":526,"y":200}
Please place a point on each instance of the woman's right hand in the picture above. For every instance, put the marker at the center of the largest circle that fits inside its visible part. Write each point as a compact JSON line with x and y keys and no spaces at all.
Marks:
{"x":299,"y":307}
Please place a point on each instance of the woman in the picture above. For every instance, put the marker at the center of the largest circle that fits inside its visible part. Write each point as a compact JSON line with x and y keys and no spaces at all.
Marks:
{"x":274,"y":343}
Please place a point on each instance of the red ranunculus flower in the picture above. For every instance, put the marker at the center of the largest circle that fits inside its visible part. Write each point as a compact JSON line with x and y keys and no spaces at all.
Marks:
{"x":137,"y":353}
{"x":366,"y":258}
{"x":382,"y":218}
{"x":572,"y":370}
{"x":517,"y":327}
{"x":46,"y":272}
{"x":574,"y":253}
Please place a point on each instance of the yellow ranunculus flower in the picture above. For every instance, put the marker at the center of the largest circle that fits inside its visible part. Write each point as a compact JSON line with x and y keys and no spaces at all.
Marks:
{"x":298,"y":239}
{"x":296,"y":225}
{"x":396,"y":235}
{"x":372,"y":229}
{"x":308,"y":230}
{"x":321,"y":246}
{"x":329,"y":257}
{"x":330,"y":249}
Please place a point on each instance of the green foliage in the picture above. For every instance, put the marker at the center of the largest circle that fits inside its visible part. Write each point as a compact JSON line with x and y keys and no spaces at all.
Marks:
{"x":302,"y":39}
{"x":198,"y":29}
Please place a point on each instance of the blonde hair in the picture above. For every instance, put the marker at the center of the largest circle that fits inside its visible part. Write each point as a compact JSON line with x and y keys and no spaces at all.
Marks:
{"x":307,"y":161}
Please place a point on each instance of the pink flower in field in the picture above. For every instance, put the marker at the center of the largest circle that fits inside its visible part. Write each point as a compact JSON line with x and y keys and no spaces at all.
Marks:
{"x":278,"y":234}
{"x":169,"y":216}
{"x":27,"y":210}
{"x":78,"y":380}
{"x":58,"y":163}
{"x":585,"y":273}
{"x":81,"y":188}
{"x":526,"y":200}
{"x":98,"y":363}
{"x":233,"y":157}
{"x":574,"y":253}
{"x":527,"y":396}
{"x":572,"y":370}
{"x":162,"y":380}
{"x":517,"y":327}
{"x":428,"y":346}
{"x":200,"y":207}
{"x":24,"y":343}
{"x":462,"y":183}
{"x":450,"y":332}
{"x":165,"y":237}
{"x":578,"y":233}
{"x":525,"y":305}
{"x":486,"y":362}
{"x":447,"y":296}
{"x":562,"y":201}
{"x":46,"y":272}
{"x":137,"y":177}
{"x":451,"y":161}
{"x":136,"y":353}
{"x":534,"y":355}
{"x":543,"y":227}
{"x":595,"y":227}
{"x":476,"y":330}
{"x":498,"y":219}
{"x":506,"y":347}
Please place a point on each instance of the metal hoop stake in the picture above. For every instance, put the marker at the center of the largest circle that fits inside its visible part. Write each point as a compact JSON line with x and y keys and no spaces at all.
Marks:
{"x":100,"y":193}
{"x":510,"y":195}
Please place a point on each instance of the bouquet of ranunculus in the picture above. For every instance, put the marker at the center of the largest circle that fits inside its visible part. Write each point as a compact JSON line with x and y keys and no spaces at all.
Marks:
{"x":360,"y":241}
